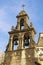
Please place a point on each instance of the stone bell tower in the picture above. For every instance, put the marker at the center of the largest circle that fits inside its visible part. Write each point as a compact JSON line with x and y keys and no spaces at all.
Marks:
{"x":21,"y":38}
{"x":22,"y":34}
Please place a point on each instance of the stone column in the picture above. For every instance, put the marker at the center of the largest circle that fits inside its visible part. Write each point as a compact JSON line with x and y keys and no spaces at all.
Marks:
{"x":18,"y":25}
{"x":21,"y":43}
{"x":10,"y":44}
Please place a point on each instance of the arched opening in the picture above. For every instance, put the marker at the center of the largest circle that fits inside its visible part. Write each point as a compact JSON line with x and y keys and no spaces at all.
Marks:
{"x":15,"y":43}
{"x":26,"y":40}
{"x":37,"y":63}
{"x":21,"y":24}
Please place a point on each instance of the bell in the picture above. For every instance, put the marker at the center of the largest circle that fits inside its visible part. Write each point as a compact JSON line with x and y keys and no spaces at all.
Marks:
{"x":15,"y":42}
{"x":26,"y":42}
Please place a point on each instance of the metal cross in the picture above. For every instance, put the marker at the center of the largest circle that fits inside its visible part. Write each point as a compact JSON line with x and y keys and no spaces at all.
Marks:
{"x":23,"y":6}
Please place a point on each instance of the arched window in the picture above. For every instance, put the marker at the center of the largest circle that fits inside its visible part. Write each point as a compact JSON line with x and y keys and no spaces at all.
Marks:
{"x":26,"y":40}
{"x":15,"y":43}
{"x":21,"y":24}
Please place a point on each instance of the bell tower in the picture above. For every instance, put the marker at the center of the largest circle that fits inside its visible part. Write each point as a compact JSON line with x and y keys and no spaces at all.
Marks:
{"x":23,"y":34}
{"x":22,"y":38}
{"x":22,"y":19}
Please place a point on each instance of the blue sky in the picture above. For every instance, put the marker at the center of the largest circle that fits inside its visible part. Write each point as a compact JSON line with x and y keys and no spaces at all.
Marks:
{"x":8,"y":12}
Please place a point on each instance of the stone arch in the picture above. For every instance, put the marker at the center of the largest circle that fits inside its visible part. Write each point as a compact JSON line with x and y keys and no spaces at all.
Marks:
{"x":26,"y":40}
{"x":22,"y":23}
{"x":15,"y":42}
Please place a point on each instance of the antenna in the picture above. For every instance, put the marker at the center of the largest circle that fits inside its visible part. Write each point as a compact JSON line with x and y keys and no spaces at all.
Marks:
{"x":23,"y":6}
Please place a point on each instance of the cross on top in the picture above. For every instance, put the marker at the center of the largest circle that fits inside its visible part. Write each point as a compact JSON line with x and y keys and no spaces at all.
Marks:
{"x":23,"y":6}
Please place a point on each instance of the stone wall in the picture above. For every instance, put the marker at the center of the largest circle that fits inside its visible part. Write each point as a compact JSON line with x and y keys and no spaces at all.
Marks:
{"x":20,"y":57}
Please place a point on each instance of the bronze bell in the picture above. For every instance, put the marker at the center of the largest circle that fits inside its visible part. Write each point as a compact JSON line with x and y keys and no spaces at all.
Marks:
{"x":15,"y":42}
{"x":26,"y":42}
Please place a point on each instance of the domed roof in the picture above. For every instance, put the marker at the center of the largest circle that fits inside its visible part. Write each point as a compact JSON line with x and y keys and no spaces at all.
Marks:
{"x":22,"y":12}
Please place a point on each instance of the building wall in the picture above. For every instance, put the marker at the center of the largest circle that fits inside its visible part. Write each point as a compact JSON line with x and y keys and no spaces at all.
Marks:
{"x":20,"y":57}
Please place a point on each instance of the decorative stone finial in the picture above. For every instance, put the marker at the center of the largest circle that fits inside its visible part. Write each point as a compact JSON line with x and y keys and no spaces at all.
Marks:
{"x":31,"y":25}
{"x":12,"y":28}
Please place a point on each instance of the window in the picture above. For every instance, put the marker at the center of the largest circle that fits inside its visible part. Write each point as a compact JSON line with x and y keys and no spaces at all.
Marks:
{"x":15,"y":47}
{"x":26,"y":40}
{"x":21,"y":24}
{"x":16,"y":41}
{"x":37,"y":63}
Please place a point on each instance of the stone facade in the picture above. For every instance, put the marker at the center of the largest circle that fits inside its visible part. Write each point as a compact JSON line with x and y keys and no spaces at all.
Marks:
{"x":22,"y":37}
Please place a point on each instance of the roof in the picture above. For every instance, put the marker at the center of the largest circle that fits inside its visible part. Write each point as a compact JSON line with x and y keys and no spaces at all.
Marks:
{"x":40,"y":41}
{"x":22,"y":13}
